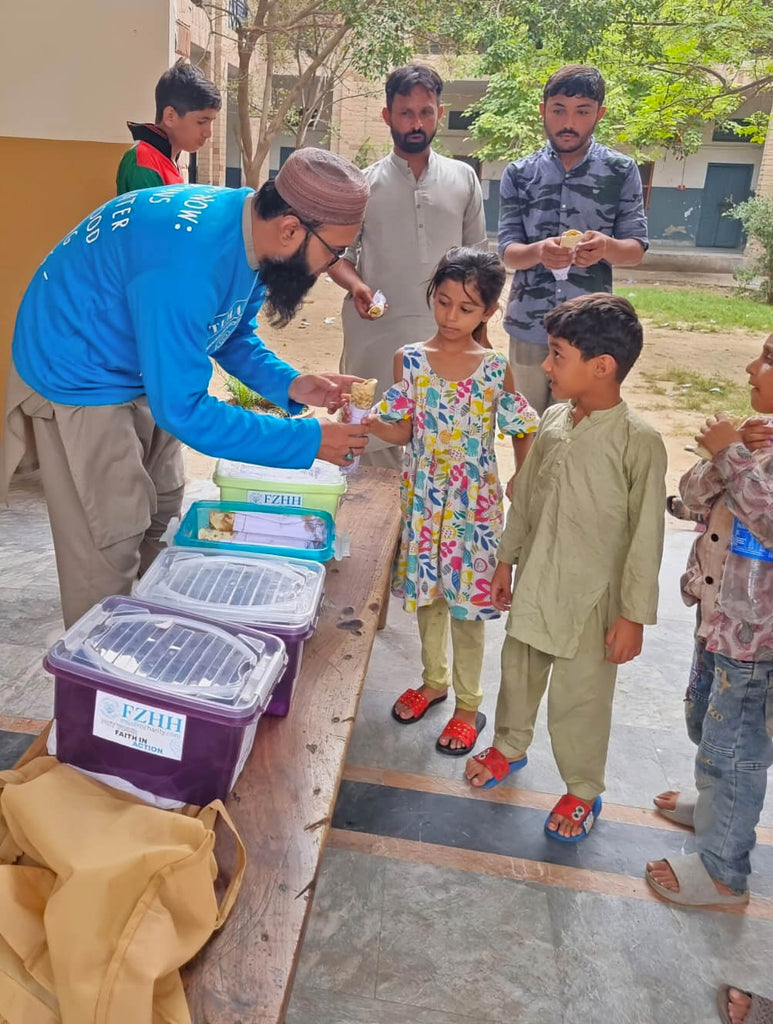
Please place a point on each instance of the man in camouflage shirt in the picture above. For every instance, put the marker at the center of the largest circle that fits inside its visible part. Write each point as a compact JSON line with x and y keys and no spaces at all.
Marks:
{"x":573,"y":182}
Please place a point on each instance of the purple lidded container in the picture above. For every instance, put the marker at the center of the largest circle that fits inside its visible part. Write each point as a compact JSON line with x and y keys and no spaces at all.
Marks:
{"x":166,"y":702}
{"x":281,"y":596}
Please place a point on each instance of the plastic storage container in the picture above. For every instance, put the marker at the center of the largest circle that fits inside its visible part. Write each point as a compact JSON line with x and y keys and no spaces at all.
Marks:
{"x":280,"y":596}
{"x":319,"y":487}
{"x":292,"y":532}
{"x":168,"y":703}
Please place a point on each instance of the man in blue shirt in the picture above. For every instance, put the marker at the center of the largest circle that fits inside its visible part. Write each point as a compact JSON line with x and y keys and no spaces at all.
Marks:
{"x":112,"y":347}
{"x":572,"y":183}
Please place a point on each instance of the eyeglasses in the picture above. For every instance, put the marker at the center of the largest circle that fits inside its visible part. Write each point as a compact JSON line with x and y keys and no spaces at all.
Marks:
{"x":335,"y":253}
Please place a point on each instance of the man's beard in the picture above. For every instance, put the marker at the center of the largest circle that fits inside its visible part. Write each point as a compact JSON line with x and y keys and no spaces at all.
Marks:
{"x":414,"y":146}
{"x":286,"y":281}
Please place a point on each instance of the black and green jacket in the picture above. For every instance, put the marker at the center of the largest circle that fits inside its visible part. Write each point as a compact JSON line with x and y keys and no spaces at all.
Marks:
{"x":149,"y":162}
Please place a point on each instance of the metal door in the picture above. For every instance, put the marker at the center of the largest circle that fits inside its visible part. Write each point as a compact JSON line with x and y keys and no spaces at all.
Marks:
{"x":726,"y":186}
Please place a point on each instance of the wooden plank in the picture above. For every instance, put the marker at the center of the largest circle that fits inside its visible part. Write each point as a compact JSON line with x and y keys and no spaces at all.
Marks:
{"x":284,"y":799}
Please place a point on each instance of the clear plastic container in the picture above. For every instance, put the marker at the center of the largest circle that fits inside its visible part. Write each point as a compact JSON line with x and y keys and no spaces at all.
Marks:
{"x":292,"y":532}
{"x":319,"y":487}
{"x":167,"y":702}
{"x":279,"y":596}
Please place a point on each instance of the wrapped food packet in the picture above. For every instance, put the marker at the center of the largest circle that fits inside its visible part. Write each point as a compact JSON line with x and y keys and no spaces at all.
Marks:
{"x":377,"y":306}
{"x":363,"y":395}
{"x":569,"y":240}
{"x":266,"y":528}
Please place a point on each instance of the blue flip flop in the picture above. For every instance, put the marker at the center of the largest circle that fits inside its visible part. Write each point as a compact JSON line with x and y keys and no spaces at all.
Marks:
{"x":577,"y":810}
{"x":498,"y":765}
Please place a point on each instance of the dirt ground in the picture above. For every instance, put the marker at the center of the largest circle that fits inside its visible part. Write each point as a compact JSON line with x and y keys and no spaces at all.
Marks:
{"x":312,"y":342}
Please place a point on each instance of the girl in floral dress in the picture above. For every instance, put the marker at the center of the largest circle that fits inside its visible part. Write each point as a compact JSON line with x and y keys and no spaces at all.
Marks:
{"x":451,"y":394}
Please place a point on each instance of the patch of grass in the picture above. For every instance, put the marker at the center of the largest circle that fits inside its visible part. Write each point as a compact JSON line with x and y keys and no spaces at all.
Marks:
{"x":685,"y":309}
{"x":698,"y":393}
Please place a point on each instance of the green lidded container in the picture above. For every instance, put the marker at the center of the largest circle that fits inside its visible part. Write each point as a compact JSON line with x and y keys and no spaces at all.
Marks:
{"x":318,"y":487}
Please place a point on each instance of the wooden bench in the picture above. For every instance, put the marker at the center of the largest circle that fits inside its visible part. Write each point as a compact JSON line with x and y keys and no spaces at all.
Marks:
{"x":284,"y":798}
{"x":283,"y":802}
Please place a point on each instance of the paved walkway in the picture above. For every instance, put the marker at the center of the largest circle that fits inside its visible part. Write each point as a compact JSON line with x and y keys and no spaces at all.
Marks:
{"x":437,"y":905}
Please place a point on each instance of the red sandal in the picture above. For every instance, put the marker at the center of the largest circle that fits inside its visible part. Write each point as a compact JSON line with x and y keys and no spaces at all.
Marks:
{"x":498,"y":765}
{"x":417,"y":703}
{"x":456,"y":729}
{"x":576,"y":810}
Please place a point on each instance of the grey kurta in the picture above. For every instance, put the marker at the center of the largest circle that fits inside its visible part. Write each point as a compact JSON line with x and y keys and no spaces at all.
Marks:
{"x":409,"y":225}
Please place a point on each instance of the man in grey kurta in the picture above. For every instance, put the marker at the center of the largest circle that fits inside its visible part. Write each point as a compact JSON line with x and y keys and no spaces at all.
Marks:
{"x":421,"y":205}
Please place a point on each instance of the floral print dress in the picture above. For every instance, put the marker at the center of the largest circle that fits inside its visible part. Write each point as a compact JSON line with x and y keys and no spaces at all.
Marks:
{"x":450,"y":493}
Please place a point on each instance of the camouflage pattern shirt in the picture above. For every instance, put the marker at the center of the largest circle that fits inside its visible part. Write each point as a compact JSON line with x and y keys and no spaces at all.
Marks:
{"x":539,"y":199}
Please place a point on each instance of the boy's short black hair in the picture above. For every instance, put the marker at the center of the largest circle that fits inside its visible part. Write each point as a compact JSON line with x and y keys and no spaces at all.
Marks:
{"x":185,"y":88}
{"x":576,"y":80}
{"x":403,"y":80}
{"x":599,"y":324}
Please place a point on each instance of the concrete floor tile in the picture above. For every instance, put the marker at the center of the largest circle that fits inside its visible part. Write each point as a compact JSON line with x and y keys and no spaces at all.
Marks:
{"x":635,"y":962}
{"x":473,"y":945}
{"x":340,"y":950}
{"x":315,"y":1006}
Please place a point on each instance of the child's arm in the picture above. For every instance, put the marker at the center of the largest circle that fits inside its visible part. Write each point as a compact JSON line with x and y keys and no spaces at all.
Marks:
{"x":646,"y":470}
{"x":522,"y":439}
{"x":747,"y":483}
{"x":392,"y":431}
{"x":700,"y":487}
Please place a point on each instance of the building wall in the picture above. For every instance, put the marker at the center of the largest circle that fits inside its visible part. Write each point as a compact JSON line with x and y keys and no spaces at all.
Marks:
{"x":676,"y":198}
{"x":65,"y":98}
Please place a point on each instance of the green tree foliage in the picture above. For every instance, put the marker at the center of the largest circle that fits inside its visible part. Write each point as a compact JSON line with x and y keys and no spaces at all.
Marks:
{"x":670,"y":66}
{"x":312,"y":46}
{"x":756,"y":215}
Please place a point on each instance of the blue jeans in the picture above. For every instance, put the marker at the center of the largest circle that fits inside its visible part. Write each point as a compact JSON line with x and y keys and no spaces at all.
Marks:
{"x":696,"y":700}
{"x":731,"y":766}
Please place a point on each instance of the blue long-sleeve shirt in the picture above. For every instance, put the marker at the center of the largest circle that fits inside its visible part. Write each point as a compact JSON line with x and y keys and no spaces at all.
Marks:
{"x":138,"y":297}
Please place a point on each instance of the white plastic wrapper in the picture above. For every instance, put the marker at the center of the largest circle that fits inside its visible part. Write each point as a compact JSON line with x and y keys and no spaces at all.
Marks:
{"x":354,"y":415}
{"x":377,"y":306}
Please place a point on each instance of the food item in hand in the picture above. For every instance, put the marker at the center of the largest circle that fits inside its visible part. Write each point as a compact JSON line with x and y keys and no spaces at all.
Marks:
{"x":570,"y":238}
{"x":377,"y":306}
{"x":364,"y":393}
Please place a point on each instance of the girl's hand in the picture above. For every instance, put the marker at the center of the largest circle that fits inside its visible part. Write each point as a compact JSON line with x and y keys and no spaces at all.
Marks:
{"x":502,"y":587}
{"x":509,"y":488}
{"x":623,"y":641}
{"x":756,"y":432}
{"x":718,"y":433}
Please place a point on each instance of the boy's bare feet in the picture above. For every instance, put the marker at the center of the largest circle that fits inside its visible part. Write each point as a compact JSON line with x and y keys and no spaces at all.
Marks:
{"x":478,"y":774}
{"x":661,"y":872}
{"x":469,"y":718}
{"x":404,"y":712}
{"x":738,"y":1004}
{"x":666,"y":801}
{"x":564,"y":826}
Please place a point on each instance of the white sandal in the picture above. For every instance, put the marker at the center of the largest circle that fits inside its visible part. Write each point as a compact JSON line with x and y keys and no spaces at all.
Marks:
{"x":683,"y":813}
{"x":759,"y":1012}
{"x":696,"y":886}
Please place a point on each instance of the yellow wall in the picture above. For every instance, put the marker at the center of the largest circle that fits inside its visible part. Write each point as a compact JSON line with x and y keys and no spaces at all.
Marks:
{"x":48,"y":187}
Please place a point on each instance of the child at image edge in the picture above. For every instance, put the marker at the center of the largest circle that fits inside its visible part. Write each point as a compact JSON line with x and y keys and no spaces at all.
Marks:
{"x":729,"y":702}
{"x":452,"y":393}
{"x":586,"y":531}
